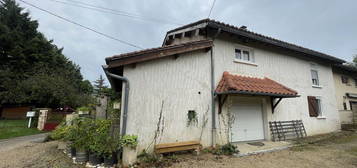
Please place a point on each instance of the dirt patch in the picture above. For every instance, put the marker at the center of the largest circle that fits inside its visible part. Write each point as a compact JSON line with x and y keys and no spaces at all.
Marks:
{"x":36,"y":155}
{"x":330,"y":150}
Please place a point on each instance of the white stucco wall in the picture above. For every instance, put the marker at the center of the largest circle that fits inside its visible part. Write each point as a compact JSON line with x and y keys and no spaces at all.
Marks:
{"x":291,"y":72}
{"x":173,"y":86}
{"x":341,"y":90}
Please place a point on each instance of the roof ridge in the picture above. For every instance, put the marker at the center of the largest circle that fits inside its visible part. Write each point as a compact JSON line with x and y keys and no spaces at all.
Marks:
{"x":271,"y":40}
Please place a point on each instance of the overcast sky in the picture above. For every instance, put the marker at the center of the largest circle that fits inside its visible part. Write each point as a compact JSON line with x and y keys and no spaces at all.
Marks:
{"x":329,"y":26}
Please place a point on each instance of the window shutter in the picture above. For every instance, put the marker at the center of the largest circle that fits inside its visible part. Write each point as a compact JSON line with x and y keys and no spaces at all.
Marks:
{"x":313,"y":107}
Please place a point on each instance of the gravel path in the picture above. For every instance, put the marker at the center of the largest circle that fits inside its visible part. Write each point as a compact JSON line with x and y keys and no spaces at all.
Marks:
{"x":12,"y":143}
{"x":339,"y":152}
{"x":36,"y":155}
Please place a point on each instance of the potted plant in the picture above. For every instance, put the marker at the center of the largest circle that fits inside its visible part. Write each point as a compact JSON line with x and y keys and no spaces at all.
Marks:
{"x":110,"y":148}
{"x":83,"y":110}
{"x":128,"y":144}
{"x":99,"y":130}
{"x":80,"y":138}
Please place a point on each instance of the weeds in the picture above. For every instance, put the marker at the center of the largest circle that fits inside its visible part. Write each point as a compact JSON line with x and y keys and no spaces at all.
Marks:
{"x":227,"y":149}
{"x":153,"y":160}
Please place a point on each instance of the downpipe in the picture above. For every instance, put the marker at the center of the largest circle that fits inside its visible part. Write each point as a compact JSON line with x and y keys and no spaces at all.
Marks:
{"x":126,"y":97}
{"x":214,"y":127}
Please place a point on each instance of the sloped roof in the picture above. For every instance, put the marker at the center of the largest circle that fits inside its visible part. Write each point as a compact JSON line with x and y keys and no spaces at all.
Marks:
{"x":243,"y":32}
{"x":155,"y":53}
{"x":230,"y":84}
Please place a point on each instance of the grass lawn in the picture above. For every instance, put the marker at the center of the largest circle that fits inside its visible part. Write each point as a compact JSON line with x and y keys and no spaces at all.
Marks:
{"x":16,"y":128}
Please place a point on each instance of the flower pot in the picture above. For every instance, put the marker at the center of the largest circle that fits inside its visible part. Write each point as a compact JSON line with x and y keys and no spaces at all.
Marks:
{"x":73,"y":151}
{"x":129,"y":156}
{"x":81,"y":155}
{"x":94,"y":159}
{"x":109,"y":161}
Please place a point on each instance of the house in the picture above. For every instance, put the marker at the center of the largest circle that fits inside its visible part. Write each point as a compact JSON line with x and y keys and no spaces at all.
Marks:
{"x":14,"y":111}
{"x":345,"y":78}
{"x":217,"y":83}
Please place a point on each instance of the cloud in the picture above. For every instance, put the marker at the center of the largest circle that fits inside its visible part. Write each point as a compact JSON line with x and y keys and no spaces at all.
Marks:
{"x":326,"y":26}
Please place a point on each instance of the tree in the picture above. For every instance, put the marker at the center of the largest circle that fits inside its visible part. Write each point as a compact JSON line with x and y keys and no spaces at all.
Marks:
{"x":100,"y":86}
{"x":34,"y":70}
{"x":355,"y":60}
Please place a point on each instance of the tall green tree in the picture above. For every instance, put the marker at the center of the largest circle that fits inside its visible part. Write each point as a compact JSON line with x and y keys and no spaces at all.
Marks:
{"x":33,"y":70}
{"x":355,"y":60}
{"x":99,"y":86}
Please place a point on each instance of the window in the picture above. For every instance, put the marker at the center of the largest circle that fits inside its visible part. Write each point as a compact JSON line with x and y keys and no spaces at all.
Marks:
{"x":315,"y":77}
{"x":315,"y":108}
{"x":344,"y":79}
{"x":344,"y":106}
{"x":243,"y":55}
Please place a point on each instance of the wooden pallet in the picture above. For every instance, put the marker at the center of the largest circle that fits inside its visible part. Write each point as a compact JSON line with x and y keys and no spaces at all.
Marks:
{"x":285,"y":130}
{"x":178,"y":146}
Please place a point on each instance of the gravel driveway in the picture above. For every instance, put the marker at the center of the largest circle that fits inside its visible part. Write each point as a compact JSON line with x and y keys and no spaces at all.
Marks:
{"x":333,"y":152}
{"x":12,"y":143}
{"x":338,"y":150}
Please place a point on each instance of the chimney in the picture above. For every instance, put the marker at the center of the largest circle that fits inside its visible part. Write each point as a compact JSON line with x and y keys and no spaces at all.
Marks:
{"x":243,"y":27}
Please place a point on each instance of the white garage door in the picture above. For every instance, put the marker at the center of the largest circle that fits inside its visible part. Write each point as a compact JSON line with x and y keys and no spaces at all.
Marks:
{"x":248,"y":121}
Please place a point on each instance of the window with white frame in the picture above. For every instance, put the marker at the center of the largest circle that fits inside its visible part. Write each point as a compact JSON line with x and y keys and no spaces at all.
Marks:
{"x":315,"y":77}
{"x":244,"y":55}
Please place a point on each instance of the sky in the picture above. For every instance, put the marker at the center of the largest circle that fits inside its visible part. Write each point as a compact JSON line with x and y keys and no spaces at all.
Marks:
{"x":328,"y":26}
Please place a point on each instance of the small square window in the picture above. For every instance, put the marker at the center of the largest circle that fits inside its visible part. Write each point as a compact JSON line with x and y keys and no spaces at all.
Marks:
{"x":315,"y":77}
{"x":344,"y":79}
{"x":243,"y":55}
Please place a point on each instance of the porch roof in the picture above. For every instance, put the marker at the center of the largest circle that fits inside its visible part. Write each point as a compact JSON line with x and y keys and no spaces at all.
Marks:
{"x":237,"y":84}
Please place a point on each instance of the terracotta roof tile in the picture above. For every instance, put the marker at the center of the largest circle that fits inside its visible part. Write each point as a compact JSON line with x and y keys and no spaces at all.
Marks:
{"x":251,"y":85}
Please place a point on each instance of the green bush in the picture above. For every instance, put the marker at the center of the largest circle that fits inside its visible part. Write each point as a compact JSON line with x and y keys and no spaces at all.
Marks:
{"x":99,"y":133}
{"x":84,"y":108}
{"x":60,"y":132}
{"x":93,"y":135}
{"x":227,"y":149}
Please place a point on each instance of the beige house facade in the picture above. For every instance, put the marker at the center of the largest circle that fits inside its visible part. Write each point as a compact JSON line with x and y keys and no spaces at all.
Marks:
{"x":345,"y":78}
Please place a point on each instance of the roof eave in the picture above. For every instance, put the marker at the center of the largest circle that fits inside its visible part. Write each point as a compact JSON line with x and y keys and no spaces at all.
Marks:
{"x":257,"y":94}
{"x":274,"y":42}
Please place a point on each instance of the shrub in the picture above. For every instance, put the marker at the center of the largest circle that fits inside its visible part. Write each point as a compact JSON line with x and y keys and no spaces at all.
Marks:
{"x":148,"y":158}
{"x":60,"y":132}
{"x":227,"y":149}
{"x":84,"y":108}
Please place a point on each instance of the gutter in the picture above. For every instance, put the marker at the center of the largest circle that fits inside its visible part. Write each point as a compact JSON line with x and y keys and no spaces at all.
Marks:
{"x":257,"y":94}
{"x":126,"y":96}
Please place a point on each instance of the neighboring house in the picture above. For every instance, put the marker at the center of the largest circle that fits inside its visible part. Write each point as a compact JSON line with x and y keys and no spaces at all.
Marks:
{"x":14,"y":111}
{"x":216,"y":83}
{"x":346,"y":92}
